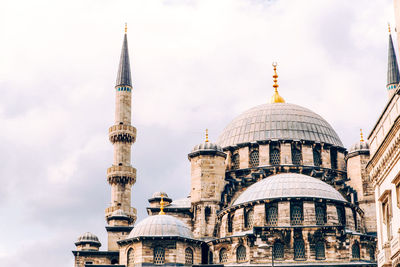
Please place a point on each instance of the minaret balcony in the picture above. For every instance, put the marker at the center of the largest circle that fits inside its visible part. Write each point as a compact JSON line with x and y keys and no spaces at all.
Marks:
{"x":121,"y":175}
{"x":131,"y":212}
{"x":122,"y":133}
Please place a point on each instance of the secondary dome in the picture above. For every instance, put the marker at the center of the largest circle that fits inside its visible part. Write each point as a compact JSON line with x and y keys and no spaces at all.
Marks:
{"x":278,"y":121}
{"x":288,"y":185}
{"x":161,"y":225}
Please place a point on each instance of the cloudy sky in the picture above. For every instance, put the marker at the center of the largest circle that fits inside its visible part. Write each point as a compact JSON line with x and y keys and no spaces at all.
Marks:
{"x":196,"y":65}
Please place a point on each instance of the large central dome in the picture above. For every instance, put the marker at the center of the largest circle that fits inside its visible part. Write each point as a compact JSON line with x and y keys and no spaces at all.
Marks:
{"x":278,"y":121}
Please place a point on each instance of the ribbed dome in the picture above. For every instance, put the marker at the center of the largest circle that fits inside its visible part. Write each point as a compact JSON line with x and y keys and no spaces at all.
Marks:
{"x":161,"y":225}
{"x":88,"y":238}
{"x":278,"y":121}
{"x":158,"y":194}
{"x":359,"y":146}
{"x":207,"y":146}
{"x":286,"y":185}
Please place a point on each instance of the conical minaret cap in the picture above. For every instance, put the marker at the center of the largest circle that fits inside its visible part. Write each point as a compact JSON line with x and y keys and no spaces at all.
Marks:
{"x":124,"y":70}
{"x":393,"y":76}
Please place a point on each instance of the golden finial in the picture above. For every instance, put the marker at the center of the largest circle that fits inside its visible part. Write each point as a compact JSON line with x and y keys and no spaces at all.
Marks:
{"x":162,"y":203}
{"x":361,"y":136}
{"x":276,"y":98}
{"x":206,"y":135}
{"x":126,"y":27}
{"x":389,"y":27}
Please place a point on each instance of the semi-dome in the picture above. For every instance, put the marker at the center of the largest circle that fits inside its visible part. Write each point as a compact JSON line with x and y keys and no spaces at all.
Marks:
{"x":288,"y":185}
{"x":278,"y":121}
{"x":161,"y":225}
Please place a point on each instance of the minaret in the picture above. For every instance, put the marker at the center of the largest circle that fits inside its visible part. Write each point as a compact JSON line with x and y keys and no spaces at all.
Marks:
{"x":393,"y":76}
{"x":121,"y":175}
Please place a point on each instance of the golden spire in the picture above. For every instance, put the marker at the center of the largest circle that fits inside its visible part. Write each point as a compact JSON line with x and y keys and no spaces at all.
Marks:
{"x":276,"y":98}
{"x":361,"y":136}
{"x":162,"y":202}
{"x":206,"y":135}
{"x":389,"y":27}
{"x":126,"y":27}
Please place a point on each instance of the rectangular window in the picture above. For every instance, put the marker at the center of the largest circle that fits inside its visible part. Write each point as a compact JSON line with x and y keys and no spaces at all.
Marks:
{"x":386,"y":208}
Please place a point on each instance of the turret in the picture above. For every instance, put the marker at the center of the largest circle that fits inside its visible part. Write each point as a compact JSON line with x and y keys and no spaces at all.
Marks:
{"x":393,"y":76}
{"x":207,"y":183}
{"x":87,"y":242}
{"x":121,"y":175}
{"x":357,"y":160}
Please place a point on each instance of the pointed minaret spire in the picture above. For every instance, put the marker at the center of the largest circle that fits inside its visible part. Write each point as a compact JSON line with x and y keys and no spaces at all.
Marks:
{"x":393,"y":76}
{"x":124,"y":71}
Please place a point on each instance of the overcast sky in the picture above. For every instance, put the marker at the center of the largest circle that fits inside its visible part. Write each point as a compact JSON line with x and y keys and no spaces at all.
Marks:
{"x":195,"y":65}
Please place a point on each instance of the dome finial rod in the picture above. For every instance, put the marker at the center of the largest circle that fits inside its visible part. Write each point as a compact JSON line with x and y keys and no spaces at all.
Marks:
{"x":126,"y":27}
{"x":206,"y":135}
{"x":276,"y":98}
{"x":361,"y":136}
{"x":162,"y":203}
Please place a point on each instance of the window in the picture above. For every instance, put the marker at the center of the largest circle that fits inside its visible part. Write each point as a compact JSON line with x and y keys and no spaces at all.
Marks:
{"x":272,"y":215}
{"x":248,"y":218}
{"x":398,"y":194}
{"x":275,"y":156}
{"x":114,"y":261}
{"x":278,"y":250}
{"x":317,"y":156}
{"x":320,"y":214}
{"x":299,"y":249}
{"x":387,"y":218}
{"x":296,"y":154}
{"x":210,"y":257}
{"x":235,"y":162}
{"x":88,"y":262}
{"x":371,"y":252}
{"x":188,"y":256}
{"x":223,"y":255}
{"x":254,"y":159}
{"x":241,"y":254}
{"x":296,"y":214}
{"x":341,"y":215}
{"x":333,"y":152}
{"x":355,"y":251}
{"x":159,"y":256}
{"x":230,"y":223}
{"x":130,"y":258}
{"x":320,"y":250}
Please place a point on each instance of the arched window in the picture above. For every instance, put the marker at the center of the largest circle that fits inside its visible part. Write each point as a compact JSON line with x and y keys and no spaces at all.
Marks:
{"x":188,"y":256}
{"x":296,"y":155}
{"x":235,"y":162}
{"x":272,"y":215}
{"x":275,"y":156}
{"x":333,"y":153}
{"x":254,"y":159}
{"x":130,"y":258}
{"x":320,"y":250}
{"x":355,"y":251}
{"x":248,"y":218}
{"x":317,"y":156}
{"x":159,"y":256}
{"x":230,"y":223}
{"x":296,"y":214}
{"x":241,"y":254}
{"x":278,"y":250}
{"x":320,"y":214}
{"x":223,"y":255}
{"x":341,"y":215}
{"x":299,"y":249}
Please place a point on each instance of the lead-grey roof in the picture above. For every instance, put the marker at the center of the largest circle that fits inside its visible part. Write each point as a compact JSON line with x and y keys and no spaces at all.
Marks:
{"x":393,"y":76}
{"x":359,"y":146}
{"x":124,"y":70}
{"x":288,"y":185}
{"x":278,"y":121}
{"x":161,"y":225}
{"x":88,"y":237}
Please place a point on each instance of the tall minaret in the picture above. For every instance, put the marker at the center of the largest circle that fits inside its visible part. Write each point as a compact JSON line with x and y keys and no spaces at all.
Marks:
{"x":393,"y":76}
{"x":121,"y":175}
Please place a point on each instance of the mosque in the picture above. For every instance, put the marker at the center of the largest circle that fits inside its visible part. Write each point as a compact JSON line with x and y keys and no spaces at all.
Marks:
{"x":277,"y":188}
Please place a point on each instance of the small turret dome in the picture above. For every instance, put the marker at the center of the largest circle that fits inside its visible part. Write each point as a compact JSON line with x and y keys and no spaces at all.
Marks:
{"x":161,"y":225}
{"x":88,"y":239}
{"x":207,"y":146}
{"x":159,"y":194}
{"x":359,"y":146}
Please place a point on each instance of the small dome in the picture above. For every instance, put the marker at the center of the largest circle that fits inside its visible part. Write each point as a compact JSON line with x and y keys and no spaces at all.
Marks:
{"x":359,"y":146}
{"x":158,"y":195}
{"x":287,"y":185}
{"x":278,"y":121}
{"x":88,"y":238}
{"x":207,"y":146}
{"x":161,"y":225}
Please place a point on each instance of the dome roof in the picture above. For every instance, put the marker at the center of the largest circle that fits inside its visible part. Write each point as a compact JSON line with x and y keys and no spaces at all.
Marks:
{"x":88,"y":238}
{"x":158,"y":195}
{"x":278,"y":121}
{"x":207,"y":146}
{"x":161,"y":225}
{"x":359,"y":146}
{"x":288,"y":185}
